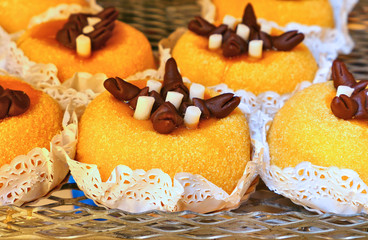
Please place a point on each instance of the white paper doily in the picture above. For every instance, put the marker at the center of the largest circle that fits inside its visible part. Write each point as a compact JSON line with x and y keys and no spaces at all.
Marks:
{"x":319,"y":189}
{"x":138,"y":190}
{"x":31,"y":176}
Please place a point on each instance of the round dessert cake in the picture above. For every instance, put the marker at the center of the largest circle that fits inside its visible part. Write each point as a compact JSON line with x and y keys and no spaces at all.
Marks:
{"x":16,"y":14}
{"x":307,"y":12}
{"x":124,"y":53}
{"x":278,"y":71}
{"x":33,"y":128}
{"x":243,"y":56}
{"x":305,"y":129}
{"x":109,"y":135}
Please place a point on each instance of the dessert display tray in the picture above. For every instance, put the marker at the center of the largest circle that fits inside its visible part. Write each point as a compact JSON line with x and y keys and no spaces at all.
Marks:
{"x":265,"y":215}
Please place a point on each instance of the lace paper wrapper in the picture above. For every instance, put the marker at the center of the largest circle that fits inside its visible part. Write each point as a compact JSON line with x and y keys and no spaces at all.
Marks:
{"x":139,"y":191}
{"x":334,"y":40}
{"x":31,"y":176}
{"x":318,"y":189}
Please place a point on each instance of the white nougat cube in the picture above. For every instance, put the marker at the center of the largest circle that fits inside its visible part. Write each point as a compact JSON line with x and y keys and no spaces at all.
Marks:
{"x":154,"y":85}
{"x":267,"y":28}
{"x":175,"y":98}
{"x":88,"y":29}
{"x":93,"y":20}
{"x":243,"y":31}
{"x":348,"y":91}
{"x":255,"y":48}
{"x":83,"y":46}
{"x":215,"y":41}
{"x":196,"y":91}
{"x":192,"y":116}
{"x":144,"y":107}
{"x":230,"y":21}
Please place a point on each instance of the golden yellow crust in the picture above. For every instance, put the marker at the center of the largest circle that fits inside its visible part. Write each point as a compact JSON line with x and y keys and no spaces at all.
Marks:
{"x":34,"y":128}
{"x":277,"y":70}
{"x":126,"y":52}
{"x":16,"y":14}
{"x":306,"y":130}
{"x":307,"y":12}
{"x":109,"y":135}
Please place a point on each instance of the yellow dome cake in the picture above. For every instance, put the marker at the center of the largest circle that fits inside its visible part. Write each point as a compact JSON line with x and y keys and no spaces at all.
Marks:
{"x":28,"y":118}
{"x":16,"y":14}
{"x":307,"y":12}
{"x":218,"y":149}
{"x":280,"y":62}
{"x":323,"y":126}
{"x":117,"y":48}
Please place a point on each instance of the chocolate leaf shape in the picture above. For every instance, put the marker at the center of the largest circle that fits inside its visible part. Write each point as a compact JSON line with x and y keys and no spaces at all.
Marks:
{"x":222,"y":105}
{"x":220,"y":30}
{"x":166,"y":119}
{"x":173,"y":80}
{"x":344,"y":107}
{"x":20,"y":102}
{"x":120,"y":89}
{"x":234,"y":46}
{"x":361,"y":100}
{"x":200,"y":26}
{"x":4,"y":106}
{"x":201,"y":104}
{"x":341,"y":75}
{"x":288,"y":40}
{"x":360,"y":86}
{"x":266,"y":38}
{"x":133,"y":101}
{"x":158,"y":100}
{"x":99,"y":37}
{"x":249,"y":18}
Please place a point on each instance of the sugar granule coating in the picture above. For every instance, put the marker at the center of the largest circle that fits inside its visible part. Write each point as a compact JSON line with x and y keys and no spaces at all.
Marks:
{"x":16,"y":14}
{"x":276,"y":71}
{"x":126,"y":52}
{"x":311,"y":12}
{"x":108,"y":136}
{"x":34,"y":128}
{"x":305,"y":129}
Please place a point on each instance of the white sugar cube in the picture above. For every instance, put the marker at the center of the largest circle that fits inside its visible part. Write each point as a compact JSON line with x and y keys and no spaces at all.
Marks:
{"x":144,"y":107}
{"x":215,"y":41}
{"x":348,"y":91}
{"x":255,"y":48}
{"x":267,"y":28}
{"x":243,"y":31}
{"x":192,"y":116}
{"x":88,"y":29}
{"x":196,"y":91}
{"x":83,"y":46}
{"x":175,"y":98}
{"x":230,"y":21}
{"x":93,"y":20}
{"x":154,"y":85}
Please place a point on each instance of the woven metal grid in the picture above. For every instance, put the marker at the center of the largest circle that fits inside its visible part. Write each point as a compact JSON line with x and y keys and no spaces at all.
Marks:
{"x":265,"y":216}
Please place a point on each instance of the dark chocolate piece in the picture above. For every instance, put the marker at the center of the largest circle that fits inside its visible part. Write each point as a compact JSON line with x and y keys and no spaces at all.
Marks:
{"x":266,"y":38}
{"x":173,"y":80}
{"x":183,"y":108}
{"x":250,"y":19}
{"x":120,"y":89}
{"x":222,"y":105}
{"x":220,"y":29}
{"x":200,"y":26}
{"x":287,"y":41}
{"x":234,"y":46}
{"x":201,"y":104}
{"x":158,"y":100}
{"x":344,"y":107}
{"x":133,"y":101}
{"x":13,"y":103}
{"x":362,"y":101}
{"x":166,"y":119}
{"x":341,"y":75}
{"x":76,"y":22}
